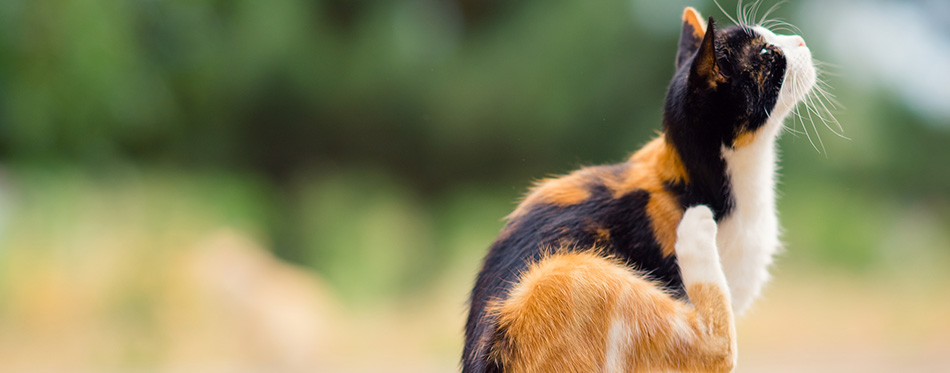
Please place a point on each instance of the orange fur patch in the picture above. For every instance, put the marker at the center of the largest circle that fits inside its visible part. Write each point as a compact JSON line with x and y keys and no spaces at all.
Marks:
{"x":665,"y":215}
{"x":744,"y":138}
{"x":692,"y":17}
{"x":654,"y":166}
{"x":718,"y":329}
{"x":561,"y":191}
{"x":602,"y":235}
{"x":582,"y":312}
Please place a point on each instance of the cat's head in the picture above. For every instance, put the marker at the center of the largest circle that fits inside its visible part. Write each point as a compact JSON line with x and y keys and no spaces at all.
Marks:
{"x":735,"y":84}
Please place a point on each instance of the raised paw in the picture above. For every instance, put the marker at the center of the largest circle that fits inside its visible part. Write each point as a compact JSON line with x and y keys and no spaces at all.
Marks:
{"x":696,"y":249}
{"x":697,"y":225}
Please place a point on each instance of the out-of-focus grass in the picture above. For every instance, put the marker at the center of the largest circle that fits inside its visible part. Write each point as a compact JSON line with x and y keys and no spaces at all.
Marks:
{"x":168,"y":271}
{"x":373,"y":238}
{"x":856,"y":230}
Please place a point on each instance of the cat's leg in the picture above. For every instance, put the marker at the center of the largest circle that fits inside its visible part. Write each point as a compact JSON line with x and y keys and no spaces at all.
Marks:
{"x":705,"y":283}
{"x":583,"y":312}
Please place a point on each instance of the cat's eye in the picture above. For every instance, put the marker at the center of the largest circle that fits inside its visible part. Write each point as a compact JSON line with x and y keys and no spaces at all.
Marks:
{"x":764,"y":51}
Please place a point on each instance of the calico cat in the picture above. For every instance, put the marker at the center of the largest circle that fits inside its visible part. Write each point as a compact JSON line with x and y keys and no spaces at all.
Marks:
{"x":625,"y":267}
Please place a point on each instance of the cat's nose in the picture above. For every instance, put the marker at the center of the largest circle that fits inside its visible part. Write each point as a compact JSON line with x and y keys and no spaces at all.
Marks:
{"x":791,"y":41}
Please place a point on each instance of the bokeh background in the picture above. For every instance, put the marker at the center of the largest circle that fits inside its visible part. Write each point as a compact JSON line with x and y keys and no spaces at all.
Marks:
{"x":309,"y":186}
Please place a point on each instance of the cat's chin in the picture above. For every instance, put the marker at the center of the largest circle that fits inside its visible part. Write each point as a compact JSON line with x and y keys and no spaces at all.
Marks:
{"x":800,"y":73}
{"x":800,"y":78}
{"x":794,"y":90}
{"x":799,"y":81}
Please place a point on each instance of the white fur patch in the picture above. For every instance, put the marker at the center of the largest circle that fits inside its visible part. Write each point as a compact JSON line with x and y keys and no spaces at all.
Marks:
{"x":620,"y":336}
{"x":618,"y":344}
{"x":748,"y":237}
{"x":681,"y":330}
{"x":696,"y":248}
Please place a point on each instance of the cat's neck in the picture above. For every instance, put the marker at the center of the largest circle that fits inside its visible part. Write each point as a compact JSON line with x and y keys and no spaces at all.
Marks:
{"x":750,"y":171}
{"x":726,"y":178}
{"x":706,"y":181}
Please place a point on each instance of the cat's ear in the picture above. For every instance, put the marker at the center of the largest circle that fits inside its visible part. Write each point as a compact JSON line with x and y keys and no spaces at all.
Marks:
{"x":693,"y":30}
{"x":704,"y":70}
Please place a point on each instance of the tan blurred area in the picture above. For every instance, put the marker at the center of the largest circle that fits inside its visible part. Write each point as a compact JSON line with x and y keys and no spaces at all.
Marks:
{"x":226,"y":305}
{"x":825,"y":323}
{"x":146,"y":276}
{"x":222,"y":304}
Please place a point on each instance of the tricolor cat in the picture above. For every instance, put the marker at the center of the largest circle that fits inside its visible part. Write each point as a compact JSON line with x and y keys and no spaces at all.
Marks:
{"x":640,"y":266}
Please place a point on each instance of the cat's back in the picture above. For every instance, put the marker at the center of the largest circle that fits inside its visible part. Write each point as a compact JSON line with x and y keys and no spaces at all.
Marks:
{"x":626,"y":210}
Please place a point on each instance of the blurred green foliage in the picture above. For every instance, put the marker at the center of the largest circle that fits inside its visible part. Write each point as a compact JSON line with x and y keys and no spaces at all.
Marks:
{"x":381,"y":142}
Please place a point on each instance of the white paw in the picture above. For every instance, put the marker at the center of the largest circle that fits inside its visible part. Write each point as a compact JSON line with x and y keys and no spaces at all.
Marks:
{"x":696,"y":249}
{"x":697,"y":227}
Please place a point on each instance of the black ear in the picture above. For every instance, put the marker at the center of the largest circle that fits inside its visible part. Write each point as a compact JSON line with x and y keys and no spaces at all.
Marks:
{"x":693,"y":30}
{"x":705,"y":70}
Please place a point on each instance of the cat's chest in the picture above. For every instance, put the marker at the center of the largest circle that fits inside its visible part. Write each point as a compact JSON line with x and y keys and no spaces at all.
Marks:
{"x":746,"y":248}
{"x":748,"y":237}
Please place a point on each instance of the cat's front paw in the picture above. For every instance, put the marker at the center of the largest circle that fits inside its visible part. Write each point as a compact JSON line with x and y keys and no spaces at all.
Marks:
{"x":696,"y":249}
{"x":697,"y":227}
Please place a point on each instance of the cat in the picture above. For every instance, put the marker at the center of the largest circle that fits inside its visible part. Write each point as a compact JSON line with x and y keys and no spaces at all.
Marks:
{"x":642,"y":265}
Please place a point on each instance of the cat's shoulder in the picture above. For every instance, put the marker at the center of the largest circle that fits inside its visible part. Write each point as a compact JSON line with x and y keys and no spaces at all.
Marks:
{"x":653,"y":168}
{"x":573,"y":188}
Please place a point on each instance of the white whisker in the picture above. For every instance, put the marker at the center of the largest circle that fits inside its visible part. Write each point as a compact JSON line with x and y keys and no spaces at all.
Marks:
{"x":781,"y":23}
{"x":743,"y":11}
{"x":805,"y":129}
{"x":755,"y":10}
{"x":814,"y":108}
{"x":822,"y":72}
{"x":725,"y":13}
{"x":824,"y":94}
{"x":814,"y":127}
{"x":792,"y":131}
{"x":830,"y":97}
{"x":824,"y":63}
{"x":771,"y":9}
{"x":831,"y":115}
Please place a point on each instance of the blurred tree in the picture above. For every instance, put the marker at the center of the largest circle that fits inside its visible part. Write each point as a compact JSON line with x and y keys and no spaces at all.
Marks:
{"x":433,"y":94}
